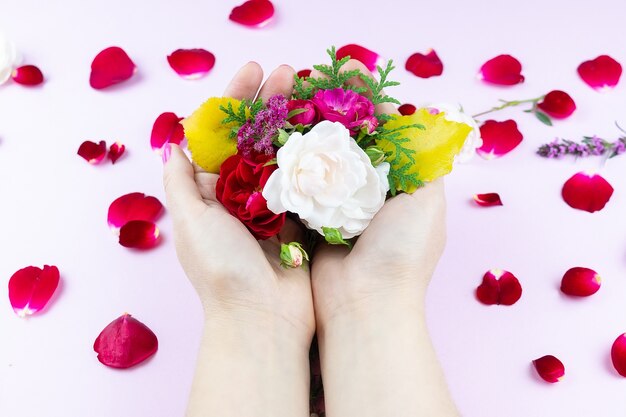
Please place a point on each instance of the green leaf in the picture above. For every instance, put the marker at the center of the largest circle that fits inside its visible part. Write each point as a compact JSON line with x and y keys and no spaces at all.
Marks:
{"x":296,"y":112}
{"x":543,"y":118}
{"x":333,"y":236}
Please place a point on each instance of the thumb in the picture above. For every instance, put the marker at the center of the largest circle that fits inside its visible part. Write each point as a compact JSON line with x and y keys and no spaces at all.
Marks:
{"x":181,"y":191}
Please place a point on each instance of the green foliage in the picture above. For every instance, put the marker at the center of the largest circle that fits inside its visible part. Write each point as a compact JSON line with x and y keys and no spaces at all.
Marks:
{"x":399,"y":177}
{"x":333,"y":236}
{"x":239,"y":116}
{"x":376,"y":87}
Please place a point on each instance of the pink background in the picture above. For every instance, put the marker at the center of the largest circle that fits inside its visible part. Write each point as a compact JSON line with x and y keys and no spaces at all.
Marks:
{"x":54,"y":204}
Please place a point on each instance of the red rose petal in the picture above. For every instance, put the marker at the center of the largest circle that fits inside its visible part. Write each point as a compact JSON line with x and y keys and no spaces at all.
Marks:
{"x":191,"y":64}
{"x":557,"y":104}
{"x":125,"y":342}
{"x":425,"y":66}
{"x":502,"y":70}
{"x":580,"y":282}
{"x":588,"y":192}
{"x":28,"y":75}
{"x":601,"y":73}
{"x":488,"y":200}
{"x":31,"y":288}
{"x":92,"y":152}
{"x":139,"y":234}
{"x":367,"y":57}
{"x":116,"y":150}
{"x":549,"y":368}
{"x":133,"y":206}
{"x":166,"y":129}
{"x":618,"y":354}
{"x":253,"y":13}
{"x":304,"y":73}
{"x":407,"y":109}
{"x":499,"y":138}
{"x":499,"y":287}
{"x":111,"y":66}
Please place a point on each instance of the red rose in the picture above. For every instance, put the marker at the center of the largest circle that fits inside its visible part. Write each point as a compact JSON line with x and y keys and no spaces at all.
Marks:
{"x":239,"y":190}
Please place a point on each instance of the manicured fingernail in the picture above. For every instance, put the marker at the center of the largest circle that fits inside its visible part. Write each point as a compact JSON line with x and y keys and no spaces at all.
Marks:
{"x":167,"y":151}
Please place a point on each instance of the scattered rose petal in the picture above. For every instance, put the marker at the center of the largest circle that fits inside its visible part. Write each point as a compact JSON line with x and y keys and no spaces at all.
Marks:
{"x":588,"y":192}
{"x":488,"y":200}
{"x":618,"y":354}
{"x":557,"y":104}
{"x":253,"y":13}
{"x":580,"y":282}
{"x":111,"y":66}
{"x":133,"y":206}
{"x":499,"y":138}
{"x":166,"y":129}
{"x":502,"y":70}
{"x":499,"y":287}
{"x":602,"y":73}
{"x":116,"y":150}
{"x":191,"y":64}
{"x":31,"y":288}
{"x":92,"y":152}
{"x":139,"y":234}
{"x":407,"y":109}
{"x":549,"y":368}
{"x":367,"y":57}
{"x":125,"y":342}
{"x":303,"y":73}
{"x":28,"y":75}
{"x":425,"y":65}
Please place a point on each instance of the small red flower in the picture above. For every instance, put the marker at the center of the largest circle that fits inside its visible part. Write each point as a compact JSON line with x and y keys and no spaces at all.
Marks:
{"x":111,"y":66}
{"x":116,"y":150}
{"x":367,"y":57}
{"x":309,"y":112}
{"x":125,"y":342}
{"x":407,"y":109}
{"x":588,"y":192}
{"x":549,"y":368}
{"x":303,"y":73}
{"x":580,"y":282}
{"x":166,"y":129}
{"x":557,"y":104}
{"x":139,"y":234}
{"x":253,"y":13}
{"x":488,"y":200}
{"x":499,"y":138}
{"x":499,"y":287}
{"x":191,"y":64}
{"x":618,"y":354}
{"x":28,"y":75}
{"x":31,"y":288}
{"x":425,"y":65}
{"x":133,"y":206}
{"x":601,"y":73}
{"x":502,"y":70}
{"x":92,"y":152}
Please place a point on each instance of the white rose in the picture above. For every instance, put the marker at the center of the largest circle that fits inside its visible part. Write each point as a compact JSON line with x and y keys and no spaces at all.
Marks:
{"x":9,"y":58}
{"x":454,"y":113}
{"x":328,"y":180}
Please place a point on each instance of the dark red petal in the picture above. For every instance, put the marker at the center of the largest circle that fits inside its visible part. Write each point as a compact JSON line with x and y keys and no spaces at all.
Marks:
{"x":502,"y":70}
{"x":589,"y":192}
{"x":618,"y":354}
{"x":367,"y":57}
{"x":111,"y":66}
{"x":510,"y":289}
{"x":125,"y":342}
{"x":499,"y":287}
{"x":580,"y":282}
{"x":601,"y":73}
{"x":166,"y":129}
{"x":488,"y":292}
{"x":406,"y":109}
{"x":92,"y":152}
{"x":499,"y":138}
{"x":139,"y":234}
{"x":133,"y":206}
{"x":425,"y":65}
{"x":488,"y":200}
{"x":303,"y":73}
{"x":191,"y":64}
{"x":27,"y":75}
{"x":549,"y":368}
{"x":116,"y":150}
{"x":31,"y":288}
{"x":253,"y":13}
{"x":557,"y":104}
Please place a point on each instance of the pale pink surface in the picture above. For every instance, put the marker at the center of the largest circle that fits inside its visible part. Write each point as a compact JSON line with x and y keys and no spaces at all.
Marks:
{"x":54,"y":205}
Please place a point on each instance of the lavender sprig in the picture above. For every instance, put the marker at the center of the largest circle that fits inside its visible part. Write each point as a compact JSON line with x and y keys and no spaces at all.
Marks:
{"x":589,"y":146}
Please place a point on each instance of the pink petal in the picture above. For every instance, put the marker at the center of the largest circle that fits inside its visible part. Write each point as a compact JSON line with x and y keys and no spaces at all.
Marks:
{"x":133,"y":206}
{"x":28,"y":75}
{"x":499,"y":138}
{"x":588,"y":192}
{"x":557,"y":104}
{"x":406,"y":109}
{"x":550,"y":368}
{"x":303,"y":73}
{"x":111,"y":66}
{"x":125,"y":342}
{"x":191,"y":64}
{"x":367,"y":57}
{"x":116,"y":150}
{"x":618,"y":354}
{"x":31,"y":288}
{"x":580,"y":282}
{"x":499,"y":287}
{"x":166,"y":129}
{"x":488,"y":200}
{"x":601,"y":73}
{"x":139,"y":234}
{"x":253,"y":13}
{"x":92,"y":152}
{"x":425,"y":66}
{"x":502,"y":70}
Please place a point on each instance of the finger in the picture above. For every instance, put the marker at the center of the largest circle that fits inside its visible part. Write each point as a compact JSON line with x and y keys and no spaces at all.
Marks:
{"x":181,"y":191}
{"x":246,"y":82}
{"x":280,"y":81}
{"x":206,"y":185}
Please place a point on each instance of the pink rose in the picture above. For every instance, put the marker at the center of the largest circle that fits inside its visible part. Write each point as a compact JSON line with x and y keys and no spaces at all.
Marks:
{"x":351,"y":109}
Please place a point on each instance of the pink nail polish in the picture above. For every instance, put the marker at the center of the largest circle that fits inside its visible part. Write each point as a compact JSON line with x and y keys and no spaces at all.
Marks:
{"x":167,"y":151}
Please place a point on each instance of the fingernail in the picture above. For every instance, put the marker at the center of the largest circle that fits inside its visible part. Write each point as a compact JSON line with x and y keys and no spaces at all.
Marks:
{"x":167,"y":151}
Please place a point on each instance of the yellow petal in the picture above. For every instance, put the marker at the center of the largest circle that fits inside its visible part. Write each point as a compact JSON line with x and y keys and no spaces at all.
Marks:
{"x":435,"y":147}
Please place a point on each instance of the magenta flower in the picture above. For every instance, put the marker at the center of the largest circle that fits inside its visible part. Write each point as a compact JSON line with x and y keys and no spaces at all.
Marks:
{"x":351,"y":109}
{"x":310,"y":115}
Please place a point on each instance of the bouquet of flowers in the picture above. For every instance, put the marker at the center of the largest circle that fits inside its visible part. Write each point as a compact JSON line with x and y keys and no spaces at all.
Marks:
{"x":323,"y":156}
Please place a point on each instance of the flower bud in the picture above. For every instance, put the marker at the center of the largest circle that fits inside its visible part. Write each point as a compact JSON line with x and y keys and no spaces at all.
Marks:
{"x":292,"y":255}
{"x":376,"y":155}
{"x":369,"y":124}
{"x":302,"y":112}
{"x":334,"y":237}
